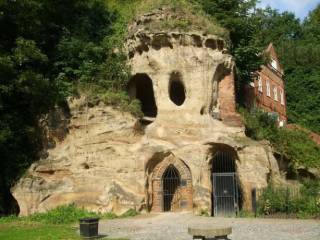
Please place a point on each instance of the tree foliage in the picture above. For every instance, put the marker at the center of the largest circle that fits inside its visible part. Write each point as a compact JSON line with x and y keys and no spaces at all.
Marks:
{"x":237,"y":17}
{"x":46,"y":47}
{"x":293,"y":145}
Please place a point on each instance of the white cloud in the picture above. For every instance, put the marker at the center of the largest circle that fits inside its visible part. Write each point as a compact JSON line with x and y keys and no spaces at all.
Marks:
{"x":300,"y":7}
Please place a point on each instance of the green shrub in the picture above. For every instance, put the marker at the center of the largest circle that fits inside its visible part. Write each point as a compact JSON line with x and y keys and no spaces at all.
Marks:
{"x":122,"y":100}
{"x":272,"y":200}
{"x":118,"y":99}
{"x":304,"y":203}
{"x":204,"y":212}
{"x":245,"y":214}
{"x":62,"y":215}
{"x":258,"y":124}
{"x":66,"y":214}
{"x":293,"y":145}
{"x":311,"y":188}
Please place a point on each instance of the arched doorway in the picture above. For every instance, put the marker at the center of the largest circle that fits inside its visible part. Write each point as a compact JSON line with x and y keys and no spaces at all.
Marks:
{"x":141,"y":88}
{"x":171,"y":185}
{"x":171,"y":189}
{"x":225,"y":193}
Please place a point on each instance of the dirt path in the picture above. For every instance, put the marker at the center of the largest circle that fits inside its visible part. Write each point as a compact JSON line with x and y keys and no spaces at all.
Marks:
{"x":173,"y":226}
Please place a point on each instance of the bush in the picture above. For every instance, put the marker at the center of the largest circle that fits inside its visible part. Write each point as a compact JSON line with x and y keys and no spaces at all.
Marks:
{"x":204,"y":212}
{"x":123,"y":101}
{"x":297,"y":146}
{"x":258,"y":124}
{"x":62,"y":215}
{"x":245,"y":214}
{"x":117,"y":99}
{"x":303,"y":203}
{"x":65,"y":215}
{"x":293,"y":145}
{"x":273,"y":201}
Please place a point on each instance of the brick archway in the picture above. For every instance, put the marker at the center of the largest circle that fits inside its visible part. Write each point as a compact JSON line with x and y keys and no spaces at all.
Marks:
{"x":185,"y":188}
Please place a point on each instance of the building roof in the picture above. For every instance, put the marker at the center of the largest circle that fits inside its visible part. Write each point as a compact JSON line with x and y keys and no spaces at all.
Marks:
{"x":271,"y":52}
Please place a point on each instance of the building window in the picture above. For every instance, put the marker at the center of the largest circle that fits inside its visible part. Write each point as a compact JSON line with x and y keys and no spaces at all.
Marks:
{"x":281,"y":97}
{"x":274,"y":64}
{"x":259,"y":84}
{"x":275,"y":93}
{"x":281,"y":123}
{"x":268,"y":88}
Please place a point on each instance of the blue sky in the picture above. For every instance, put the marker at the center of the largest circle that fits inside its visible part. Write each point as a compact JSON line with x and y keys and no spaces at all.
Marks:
{"x":300,"y":7}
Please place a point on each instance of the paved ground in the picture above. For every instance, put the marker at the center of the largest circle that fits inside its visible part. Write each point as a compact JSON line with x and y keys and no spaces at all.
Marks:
{"x":173,"y":226}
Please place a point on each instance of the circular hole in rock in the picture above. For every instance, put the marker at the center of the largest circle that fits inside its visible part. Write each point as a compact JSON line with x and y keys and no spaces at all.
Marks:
{"x":85,"y":166}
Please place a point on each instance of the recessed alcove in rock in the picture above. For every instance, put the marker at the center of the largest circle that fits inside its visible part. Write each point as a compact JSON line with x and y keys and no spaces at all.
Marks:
{"x":140,"y":87}
{"x":177,"y":91}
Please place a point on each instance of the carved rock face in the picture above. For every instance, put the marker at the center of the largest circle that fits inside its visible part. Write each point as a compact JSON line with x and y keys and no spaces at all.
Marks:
{"x":178,"y":78}
{"x":184,"y":58}
{"x":104,"y":164}
{"x":186,"y":87}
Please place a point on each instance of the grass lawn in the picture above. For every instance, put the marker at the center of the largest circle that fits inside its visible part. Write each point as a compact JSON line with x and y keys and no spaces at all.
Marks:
{"x":58,"y":223}
{"x":30,"y":230}
{"x":21,"y":230}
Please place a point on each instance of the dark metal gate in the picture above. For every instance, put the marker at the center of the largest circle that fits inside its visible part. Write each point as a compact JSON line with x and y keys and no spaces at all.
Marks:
{"x":171,"y":184}
{"x":225,"y":194}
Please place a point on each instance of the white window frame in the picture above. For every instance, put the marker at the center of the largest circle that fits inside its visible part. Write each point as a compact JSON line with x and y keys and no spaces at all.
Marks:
{"x":275,"y":93}
{"x":274,"y":64}
{"x":260,"y":89}
{"x":282,"y":97}
{"x":268,"y":88}
{"x":281,"y":123}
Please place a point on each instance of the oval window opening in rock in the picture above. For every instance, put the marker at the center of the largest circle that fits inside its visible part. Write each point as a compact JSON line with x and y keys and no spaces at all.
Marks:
{"x":177,"y":91}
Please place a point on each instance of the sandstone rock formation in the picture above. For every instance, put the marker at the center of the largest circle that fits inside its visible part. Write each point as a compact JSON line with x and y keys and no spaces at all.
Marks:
{"x":106,"y":164}
{"x":110,"y":161}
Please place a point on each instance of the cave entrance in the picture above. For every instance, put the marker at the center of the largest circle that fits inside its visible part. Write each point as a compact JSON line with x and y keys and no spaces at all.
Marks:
{"x":225,"y":190}
{"x":141,"y":88}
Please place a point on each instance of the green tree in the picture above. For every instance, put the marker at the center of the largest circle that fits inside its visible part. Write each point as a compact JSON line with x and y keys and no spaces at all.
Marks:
{"x":275,"y":27}
{"x":46,"y":47}
{"x":237,"y":17}
{"x":301,"y":60}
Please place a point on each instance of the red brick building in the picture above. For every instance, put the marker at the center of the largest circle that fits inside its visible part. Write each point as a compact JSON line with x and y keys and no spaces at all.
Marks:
{"x":267,"y":90}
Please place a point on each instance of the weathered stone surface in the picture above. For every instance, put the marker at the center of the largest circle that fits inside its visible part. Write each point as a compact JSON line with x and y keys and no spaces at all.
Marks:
{"x":104,"y":163}
{"x":209,"y":232}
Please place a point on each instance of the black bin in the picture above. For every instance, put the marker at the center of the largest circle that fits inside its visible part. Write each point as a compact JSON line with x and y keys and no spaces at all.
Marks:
{"x":89,"y":227}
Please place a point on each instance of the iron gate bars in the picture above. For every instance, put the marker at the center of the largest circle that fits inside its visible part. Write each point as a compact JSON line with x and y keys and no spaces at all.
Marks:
{"x":223,"y":162}
{"x":171,"y":183}
{"x":225,"y":194}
